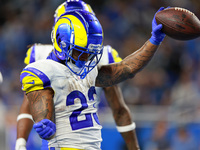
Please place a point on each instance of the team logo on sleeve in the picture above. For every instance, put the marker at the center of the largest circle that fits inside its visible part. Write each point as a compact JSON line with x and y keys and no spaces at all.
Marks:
{"x":32,"y":82}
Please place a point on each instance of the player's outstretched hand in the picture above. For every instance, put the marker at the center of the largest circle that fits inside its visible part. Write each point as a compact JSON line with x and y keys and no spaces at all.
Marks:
{"x":45,"y":128}
{"x":157,"y":35}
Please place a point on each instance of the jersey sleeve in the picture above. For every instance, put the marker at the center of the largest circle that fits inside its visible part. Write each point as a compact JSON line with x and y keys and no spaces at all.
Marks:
{"x":30,"y":55}
{"x":33,"y":79}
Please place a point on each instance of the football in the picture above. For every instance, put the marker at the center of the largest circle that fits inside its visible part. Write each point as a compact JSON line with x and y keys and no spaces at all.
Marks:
{"x":179,"y":23}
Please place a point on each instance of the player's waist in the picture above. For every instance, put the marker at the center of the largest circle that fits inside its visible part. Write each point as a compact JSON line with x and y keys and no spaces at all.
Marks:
{"x":63,"y":148}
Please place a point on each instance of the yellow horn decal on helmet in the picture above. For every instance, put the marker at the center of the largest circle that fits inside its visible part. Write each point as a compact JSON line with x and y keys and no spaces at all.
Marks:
{"x":60,"y":10}
{"x":80,"y":34}
{"x":59,"y":22}
{"x":89,"y":8}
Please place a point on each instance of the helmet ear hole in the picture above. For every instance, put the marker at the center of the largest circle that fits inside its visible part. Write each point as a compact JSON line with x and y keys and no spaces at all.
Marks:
{"x":57,"y":37}
{"x":59,"y":42}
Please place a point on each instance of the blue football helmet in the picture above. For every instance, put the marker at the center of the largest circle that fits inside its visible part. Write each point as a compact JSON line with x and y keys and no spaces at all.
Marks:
{"x":78,"y":30}
{"x":71,"y":5}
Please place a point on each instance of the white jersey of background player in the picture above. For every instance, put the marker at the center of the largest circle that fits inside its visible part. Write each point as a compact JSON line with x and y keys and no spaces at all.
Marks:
{"x":39,"y":52}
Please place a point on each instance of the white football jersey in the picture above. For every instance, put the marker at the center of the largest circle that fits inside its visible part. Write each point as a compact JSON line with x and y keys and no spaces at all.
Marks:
{"x":75,"y":101}
{"x":77,"y":124}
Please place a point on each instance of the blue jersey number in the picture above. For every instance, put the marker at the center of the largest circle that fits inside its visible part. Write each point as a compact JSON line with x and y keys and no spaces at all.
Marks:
{"x":75,"y":124}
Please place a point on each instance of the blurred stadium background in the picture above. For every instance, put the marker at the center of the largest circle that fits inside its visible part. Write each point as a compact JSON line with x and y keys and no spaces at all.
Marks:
{"x":164,"y":98}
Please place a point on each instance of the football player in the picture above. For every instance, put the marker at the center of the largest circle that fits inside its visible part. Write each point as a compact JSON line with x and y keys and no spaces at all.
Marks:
{"x":61,"y":89}
{"x":113,"y":94}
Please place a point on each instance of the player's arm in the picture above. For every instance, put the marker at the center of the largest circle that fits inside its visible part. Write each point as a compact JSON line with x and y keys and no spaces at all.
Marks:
{"x":42,"y":109}
{"x":115,"y":73}
{"x":24,"y":119}
{"x":39,"y":92}
{"x":41,"y":104}
{"x":122,"y":116}
{"x":24,"y":125}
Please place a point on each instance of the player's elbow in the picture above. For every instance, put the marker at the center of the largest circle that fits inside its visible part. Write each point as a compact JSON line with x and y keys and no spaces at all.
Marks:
{"x":120,"y":113}
{"x":130,"y":73}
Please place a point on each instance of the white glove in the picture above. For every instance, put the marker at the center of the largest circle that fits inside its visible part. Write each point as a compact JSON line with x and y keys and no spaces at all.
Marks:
{"x":20,"y":144}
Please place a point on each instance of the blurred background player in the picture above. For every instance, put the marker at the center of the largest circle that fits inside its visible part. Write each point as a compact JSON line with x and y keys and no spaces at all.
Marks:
{"x":113,"y":94}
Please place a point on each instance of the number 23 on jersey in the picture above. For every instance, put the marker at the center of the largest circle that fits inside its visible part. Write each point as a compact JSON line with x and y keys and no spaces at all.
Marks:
{"x":87,"y":122}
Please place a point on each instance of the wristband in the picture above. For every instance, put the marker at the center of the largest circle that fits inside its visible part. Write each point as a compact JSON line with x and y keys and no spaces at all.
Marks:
{"x":22,"y":116}
{"x":126,"y":128}
{"x":154,"y":41}
{"x":20,"y":144}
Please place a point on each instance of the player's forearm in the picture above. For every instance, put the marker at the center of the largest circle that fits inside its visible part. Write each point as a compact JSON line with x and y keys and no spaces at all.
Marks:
{"x":121,"y":115}
{"x":131,"y":140}
{"x":116,"y":102}
{"x":42,"y":109}
{"x":24,"y":120}
{"x":41,"y":104}
{"x":115,"y":73}
{"x":123,"y":119}
{"x":24,"y":127}
{"x":140,"y":58}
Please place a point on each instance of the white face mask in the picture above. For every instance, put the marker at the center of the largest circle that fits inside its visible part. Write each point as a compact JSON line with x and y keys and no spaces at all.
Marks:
{"x":83,"y":71}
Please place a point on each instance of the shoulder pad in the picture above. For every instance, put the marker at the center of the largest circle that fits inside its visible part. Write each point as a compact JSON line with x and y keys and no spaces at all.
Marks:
{"x":110,"y":55}
{"x":37,"y":52}
{"x":33,"y":79}
{"x":115,"y":55}
{"x":30,"y":55}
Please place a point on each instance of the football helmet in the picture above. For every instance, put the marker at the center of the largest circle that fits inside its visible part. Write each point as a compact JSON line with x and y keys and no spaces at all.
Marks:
{"x":78,"y":30}
{"x":71,"y":5}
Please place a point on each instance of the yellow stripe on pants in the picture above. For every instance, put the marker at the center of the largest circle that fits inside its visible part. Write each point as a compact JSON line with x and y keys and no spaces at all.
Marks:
{"x":64,"y":148}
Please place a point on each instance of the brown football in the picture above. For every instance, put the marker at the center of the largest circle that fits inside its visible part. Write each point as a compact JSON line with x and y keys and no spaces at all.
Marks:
{"x":179,"y":23}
